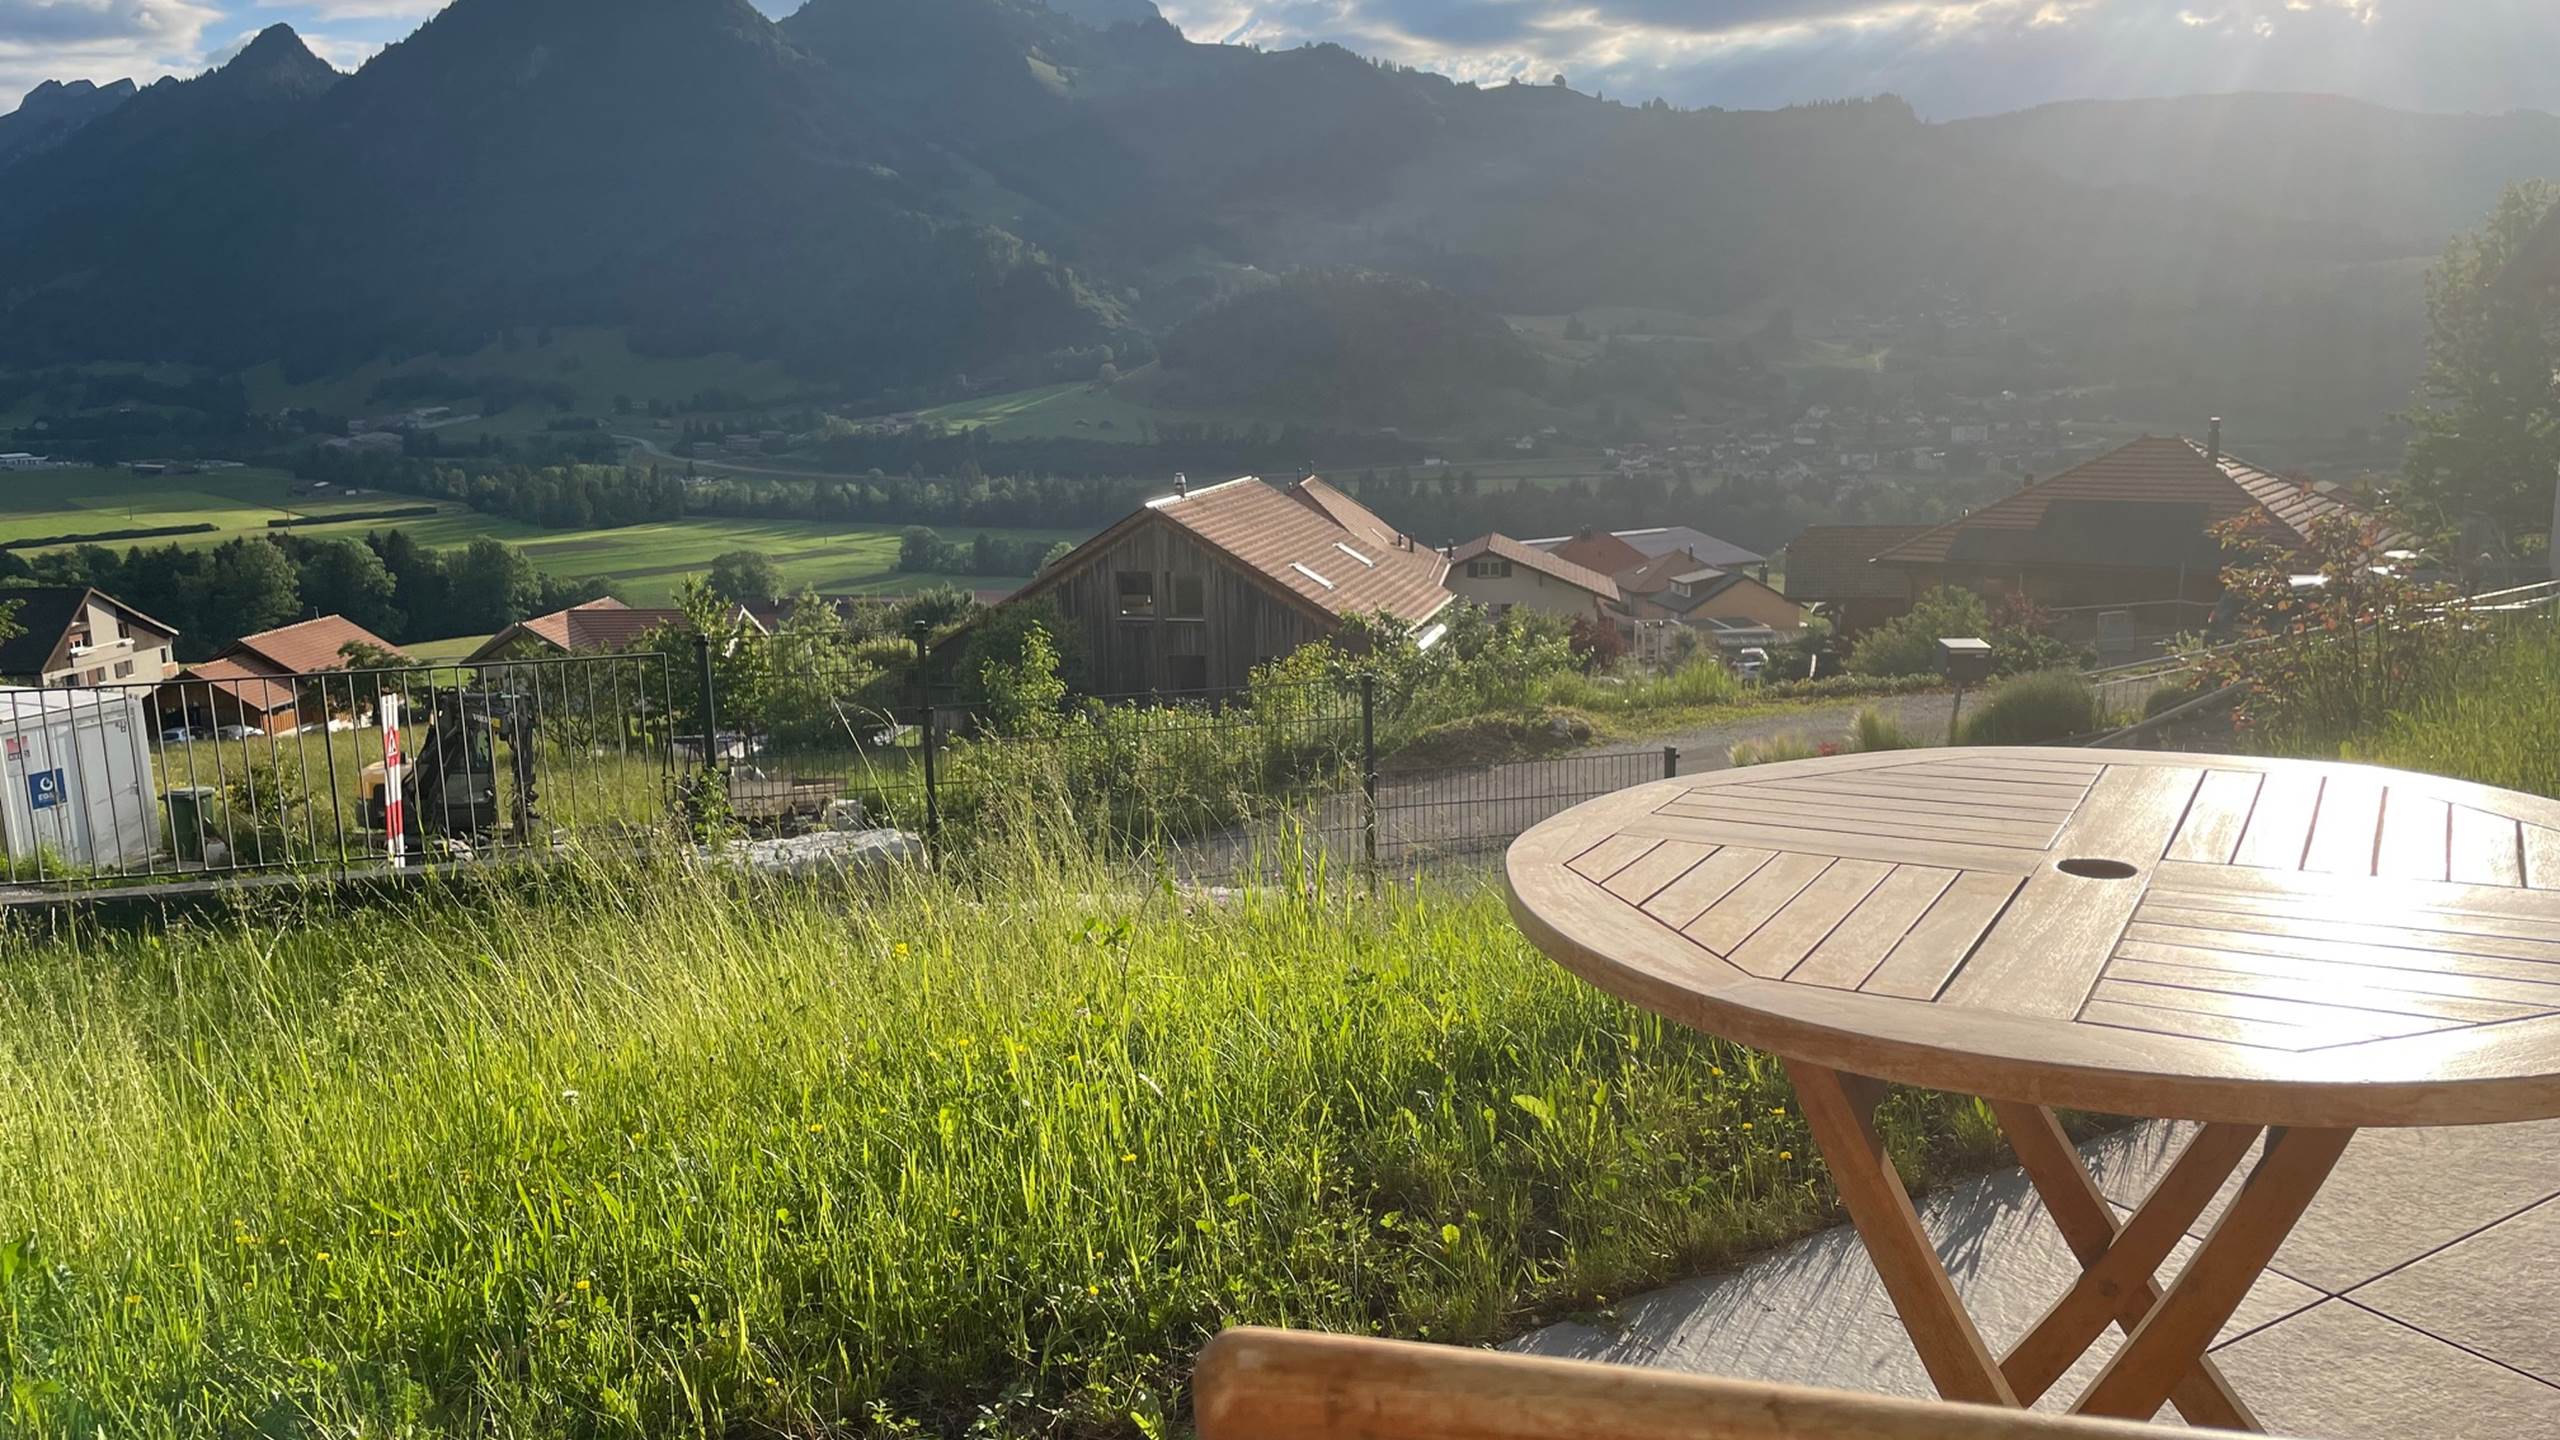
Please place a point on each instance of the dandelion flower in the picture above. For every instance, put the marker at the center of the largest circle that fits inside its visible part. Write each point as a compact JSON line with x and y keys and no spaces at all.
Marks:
{"x":586,"y":1285}
{"x":1786,"y":1154}
{"x":133,"y":1299}
{"x":1129,"y":1159}
{"x":322,"y":1257}
{"x":1746,"y":1124}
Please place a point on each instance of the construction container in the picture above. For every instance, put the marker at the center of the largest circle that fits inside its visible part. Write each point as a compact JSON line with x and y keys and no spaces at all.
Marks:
{"x":76,"y":784}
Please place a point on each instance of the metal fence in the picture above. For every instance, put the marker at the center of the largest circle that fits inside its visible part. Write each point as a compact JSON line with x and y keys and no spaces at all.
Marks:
{"x":233,"y":770}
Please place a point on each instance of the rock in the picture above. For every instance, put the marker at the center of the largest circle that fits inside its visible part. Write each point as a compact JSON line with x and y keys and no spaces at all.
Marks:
{"x":844,"y":815}
{"x":824,"y":852}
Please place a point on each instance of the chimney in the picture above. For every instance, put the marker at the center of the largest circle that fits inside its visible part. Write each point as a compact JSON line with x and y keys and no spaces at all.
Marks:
{"x":1181,"y":484}
{"x":2213,"y":442}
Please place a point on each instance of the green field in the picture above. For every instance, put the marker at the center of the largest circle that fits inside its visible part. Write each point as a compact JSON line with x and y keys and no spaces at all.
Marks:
{"x":598,"y":364}
{"x":65,"y":502}
{"x":646,"y":561}
{"x":1074,"y":410}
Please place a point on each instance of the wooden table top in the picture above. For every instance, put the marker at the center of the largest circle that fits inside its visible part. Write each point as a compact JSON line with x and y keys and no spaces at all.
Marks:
{"x":2191,"y":936}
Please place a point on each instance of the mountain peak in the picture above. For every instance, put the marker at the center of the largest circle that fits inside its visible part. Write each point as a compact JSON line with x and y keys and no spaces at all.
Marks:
{"x":278,"y":47}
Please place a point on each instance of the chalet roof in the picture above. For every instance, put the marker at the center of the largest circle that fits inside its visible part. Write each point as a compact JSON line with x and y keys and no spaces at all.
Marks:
{"x":1344,"y":511}
{"x":250,"y":684}
{"x":311,"y":646}
{"x":46,"y":614}
{"x":2150,"y":503}
{"x":1294,"y":538}
{"x":598,"y":627}
{"x":1554,"y":567}
{"x":1829,"y":562}
{"x":1591,"y":548}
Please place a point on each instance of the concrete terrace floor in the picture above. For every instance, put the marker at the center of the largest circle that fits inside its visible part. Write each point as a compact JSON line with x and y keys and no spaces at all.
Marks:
{"x":2419,"y":1298}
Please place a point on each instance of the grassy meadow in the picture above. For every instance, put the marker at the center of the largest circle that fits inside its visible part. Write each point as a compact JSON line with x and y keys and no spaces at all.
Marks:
{"x":648,"y":1152}
{"x":646,"y":561}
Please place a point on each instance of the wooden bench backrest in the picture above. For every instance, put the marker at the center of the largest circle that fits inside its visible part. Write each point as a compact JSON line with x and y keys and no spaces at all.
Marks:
{"x":1291,"y":1385}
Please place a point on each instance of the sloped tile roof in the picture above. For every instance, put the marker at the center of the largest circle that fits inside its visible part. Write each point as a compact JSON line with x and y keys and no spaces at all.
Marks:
{"x":1829,"y":562}
{"x":1344,"y":511}
{"x":2150,"y":502}
{"x":252,"y":685}
{"x":311,"y":646}
{"x":1304,"y":549}
{"x":1554,"y":567}
{"x":1595,"y":550}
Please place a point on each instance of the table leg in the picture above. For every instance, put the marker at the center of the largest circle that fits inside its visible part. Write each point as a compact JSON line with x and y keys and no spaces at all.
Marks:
{"x":2118,"y":1262}
{"x":1840,"y":1111}
{"x":2174,"y":1336}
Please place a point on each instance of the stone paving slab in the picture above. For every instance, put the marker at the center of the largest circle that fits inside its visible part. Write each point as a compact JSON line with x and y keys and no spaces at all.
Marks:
{"x":2439,"y":1239}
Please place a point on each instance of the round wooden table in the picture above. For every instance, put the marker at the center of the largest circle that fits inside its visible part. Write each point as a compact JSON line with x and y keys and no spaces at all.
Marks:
{"x":2268,"y":946}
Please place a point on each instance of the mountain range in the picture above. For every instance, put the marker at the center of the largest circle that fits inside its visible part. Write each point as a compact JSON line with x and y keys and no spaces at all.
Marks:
{"x":892,"y":191}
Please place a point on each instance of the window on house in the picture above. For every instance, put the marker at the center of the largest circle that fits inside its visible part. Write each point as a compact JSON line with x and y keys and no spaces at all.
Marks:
{"x":124,"y":669}
{"x":1189,"y":599}
{"x":1137,"y":595}
{"x":1186,"y":674}
{"x":1488,"y":568}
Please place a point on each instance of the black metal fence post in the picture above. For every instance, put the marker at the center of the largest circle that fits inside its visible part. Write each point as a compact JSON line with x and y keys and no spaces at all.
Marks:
{"x":930,"y":735}
{"x":710,"y":706}
{"x":1369,"y":769}
{"x":1670,"y":762}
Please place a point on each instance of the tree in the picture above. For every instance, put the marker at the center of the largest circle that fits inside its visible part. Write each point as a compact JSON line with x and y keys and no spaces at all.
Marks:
{"x":918,"y":548}
{"x":2487,"y":424}
{"x":747,"y":577}
{"x":250,"y":587}
{"x":1056,"y":553}
{"x":342,"y":577}
{"x":494,"y":586}
{"x":1908,"y":643}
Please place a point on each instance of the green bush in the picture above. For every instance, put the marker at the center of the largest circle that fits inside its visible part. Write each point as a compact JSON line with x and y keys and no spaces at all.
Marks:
{"x":1908,"y":643}
{"x":2494,"y":725}
{"x":2032,"y":709}
{"x":1775,"y":750}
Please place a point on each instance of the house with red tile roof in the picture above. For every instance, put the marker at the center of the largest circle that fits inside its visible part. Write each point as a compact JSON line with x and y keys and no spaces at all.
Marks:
{"x":263,"y":680}
{"x":1194,"y":589}
{"x":1500,"y":573}
{"x":598,"y":627}
{"x":2133,"y":530}
{"x":1833,"y":566}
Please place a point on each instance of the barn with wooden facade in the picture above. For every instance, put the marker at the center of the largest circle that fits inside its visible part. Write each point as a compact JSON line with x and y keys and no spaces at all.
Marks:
{"x":1194,"y":589}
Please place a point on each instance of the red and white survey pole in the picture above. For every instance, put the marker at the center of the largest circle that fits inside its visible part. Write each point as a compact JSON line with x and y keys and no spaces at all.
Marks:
{"x":395,"y":788}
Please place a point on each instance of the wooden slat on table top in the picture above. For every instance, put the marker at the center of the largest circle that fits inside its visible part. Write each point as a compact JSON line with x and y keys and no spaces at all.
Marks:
{"x":1731,"y":920}
{"x":2015,"y":834}
{"x":1853,"y":950}
{"x":1788,"y":794}
{"x":2417,"y":836}
{"x":2279,"y":829}
{"x":1781,"y":944}
{"x":1656,"y":868}
{"x":2211,"y":830}
{"x":2276,"y":942}
{"x":2512,"y":981}
{"x":1705,"y":883}
{"x":1944,"y":937}
{"x":2333,"y":985}
{"x":2487,"y":849}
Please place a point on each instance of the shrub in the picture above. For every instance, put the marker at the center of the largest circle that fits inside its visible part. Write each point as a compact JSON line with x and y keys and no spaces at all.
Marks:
{"x":1793,"y":745}
{"x":1908,"y":643}
{"x":2031,"y":709}
{"x":1875,"y":730}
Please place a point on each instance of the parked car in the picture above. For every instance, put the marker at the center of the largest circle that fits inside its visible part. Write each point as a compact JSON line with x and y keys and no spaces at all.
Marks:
{"x":1751,"y":663}
{"x":238,"y":732}
{"x":177,"y":735}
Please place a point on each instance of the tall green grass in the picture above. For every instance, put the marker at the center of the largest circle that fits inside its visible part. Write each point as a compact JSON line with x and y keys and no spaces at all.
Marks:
{"x":653,"y":1152}
{"x":2493,"y":722}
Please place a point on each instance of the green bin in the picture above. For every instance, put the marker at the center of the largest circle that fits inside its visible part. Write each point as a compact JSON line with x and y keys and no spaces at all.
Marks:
{"x":190,"y":806}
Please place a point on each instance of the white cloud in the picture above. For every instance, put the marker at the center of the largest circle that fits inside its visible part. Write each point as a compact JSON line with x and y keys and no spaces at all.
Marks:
{"x":98,"y":40}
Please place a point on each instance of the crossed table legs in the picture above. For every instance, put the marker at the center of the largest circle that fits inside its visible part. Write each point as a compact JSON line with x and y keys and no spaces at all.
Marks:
{"x":2163,"y":1358}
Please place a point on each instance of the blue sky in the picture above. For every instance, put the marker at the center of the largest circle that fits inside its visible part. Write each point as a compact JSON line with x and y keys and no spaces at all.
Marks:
{"x":1950,"y":57}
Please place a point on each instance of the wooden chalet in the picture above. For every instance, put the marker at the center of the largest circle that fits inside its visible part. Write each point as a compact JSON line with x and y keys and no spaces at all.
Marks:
{"x":1195,"y":589}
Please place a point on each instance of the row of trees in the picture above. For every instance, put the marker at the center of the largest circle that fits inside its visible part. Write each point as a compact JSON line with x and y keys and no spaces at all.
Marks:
{"x":387,"y":583}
